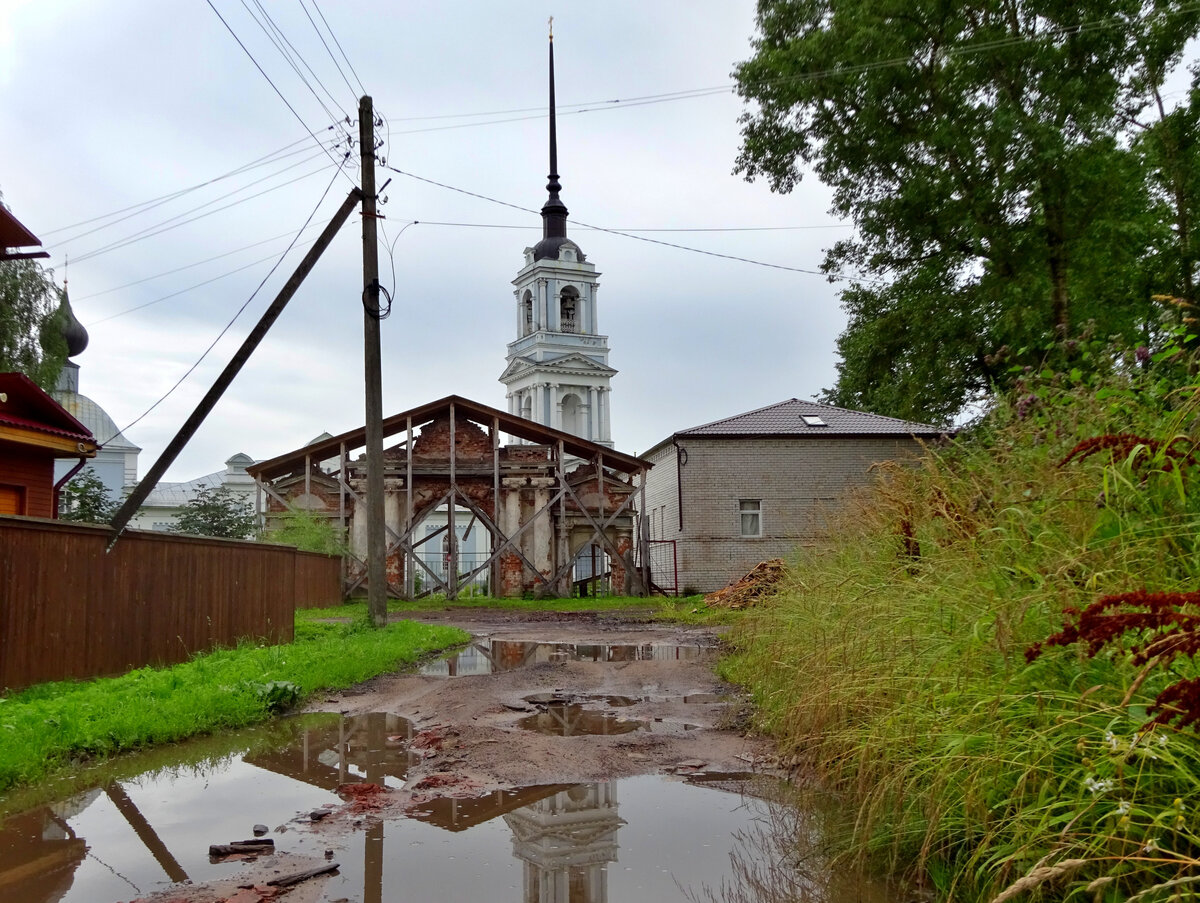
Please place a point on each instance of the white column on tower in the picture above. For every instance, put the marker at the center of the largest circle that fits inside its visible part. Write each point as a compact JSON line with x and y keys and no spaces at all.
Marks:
{"x":605,"y":426}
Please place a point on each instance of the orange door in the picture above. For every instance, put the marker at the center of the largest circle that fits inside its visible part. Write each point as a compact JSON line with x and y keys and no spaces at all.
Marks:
{"x":12,"y":500}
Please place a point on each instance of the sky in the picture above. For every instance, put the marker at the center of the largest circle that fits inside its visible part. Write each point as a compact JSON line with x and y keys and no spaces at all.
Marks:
{"x":122,"y":123}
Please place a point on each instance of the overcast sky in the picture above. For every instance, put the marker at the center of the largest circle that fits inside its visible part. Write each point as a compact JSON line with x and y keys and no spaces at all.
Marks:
{"x":111,"y":105}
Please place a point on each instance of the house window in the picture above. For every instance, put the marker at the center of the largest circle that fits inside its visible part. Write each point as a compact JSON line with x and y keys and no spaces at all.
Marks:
{"x":750,"y":512}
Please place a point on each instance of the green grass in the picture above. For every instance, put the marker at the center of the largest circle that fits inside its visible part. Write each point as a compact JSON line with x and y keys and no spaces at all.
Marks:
{"x":59,"y":724}
{"x":901,"y":681}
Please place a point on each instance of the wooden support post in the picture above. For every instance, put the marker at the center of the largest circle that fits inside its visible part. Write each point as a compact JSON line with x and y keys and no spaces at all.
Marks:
{"x":372,"y":369}
{"x":494,"y":575}
{"x":452,"y":565}
{"x":643,"y":532}
{"x":564,"y":543}
{"x":344,"y":534}
{"x":409,"y":576}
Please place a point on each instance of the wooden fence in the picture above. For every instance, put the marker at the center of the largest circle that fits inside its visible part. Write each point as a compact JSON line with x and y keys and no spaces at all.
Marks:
{"x":69,"y":610}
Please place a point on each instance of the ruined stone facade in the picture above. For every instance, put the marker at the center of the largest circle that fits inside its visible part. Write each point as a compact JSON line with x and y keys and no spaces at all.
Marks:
{"x":539,"y":518}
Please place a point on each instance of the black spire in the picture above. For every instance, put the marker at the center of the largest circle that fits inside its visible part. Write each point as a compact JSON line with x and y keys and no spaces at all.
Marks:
{"x":554,"y":211}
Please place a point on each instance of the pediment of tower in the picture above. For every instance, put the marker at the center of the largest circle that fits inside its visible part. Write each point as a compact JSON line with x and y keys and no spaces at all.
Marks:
{"x":568,"y":364}
{"x":576,"y":363}
{"x":516,"y":366}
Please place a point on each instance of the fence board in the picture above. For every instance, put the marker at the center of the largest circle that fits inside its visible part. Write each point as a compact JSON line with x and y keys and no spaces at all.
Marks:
{"x":69,"y":610}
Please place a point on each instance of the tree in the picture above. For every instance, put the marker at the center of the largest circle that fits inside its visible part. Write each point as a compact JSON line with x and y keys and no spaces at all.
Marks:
{"x":981,"y":150}
{"x":85,"y":499}
{"x":216,"y":511}
{"x":309,"y":532}
{"x":30,"y":340}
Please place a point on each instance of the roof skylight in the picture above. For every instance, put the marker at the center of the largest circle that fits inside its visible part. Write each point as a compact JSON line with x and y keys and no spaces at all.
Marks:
{"x":813,"y":420}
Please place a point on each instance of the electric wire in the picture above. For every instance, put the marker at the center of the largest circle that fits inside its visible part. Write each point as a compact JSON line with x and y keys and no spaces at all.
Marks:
{"x":265,"y":160}
{"x":233,"y":320}
{"x":299,"y":118}
{"x":190,"y":288}
{"x":209,"y":203}
{"x":426,"y":222}
{"x":325,"y":43}
{"x":152,"y":231}
{"x":391,"y":248}
{"x":179,"y":269}
{"x":568,"y":109}
{"x":655,"y":241}
{"x":339,"y":46}
{"x":276,"y":36}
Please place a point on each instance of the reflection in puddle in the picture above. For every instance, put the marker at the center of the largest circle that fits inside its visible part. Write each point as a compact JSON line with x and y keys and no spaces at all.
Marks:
{"x":491,"y":656}
{"x":134,"y":833}
{"x":573,"y":720}
{"x":624,"y":701}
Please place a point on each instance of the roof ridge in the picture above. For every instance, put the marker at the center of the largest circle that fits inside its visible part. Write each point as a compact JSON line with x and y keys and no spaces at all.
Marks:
{"x":870,"y":414}
{"x":704,"y":426}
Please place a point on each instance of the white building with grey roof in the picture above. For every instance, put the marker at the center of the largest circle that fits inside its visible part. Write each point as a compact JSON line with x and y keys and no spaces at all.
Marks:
{"x":726,"y":495}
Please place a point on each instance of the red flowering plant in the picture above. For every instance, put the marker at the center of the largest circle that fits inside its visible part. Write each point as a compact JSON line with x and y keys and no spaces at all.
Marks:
{"x":1153,"y":629}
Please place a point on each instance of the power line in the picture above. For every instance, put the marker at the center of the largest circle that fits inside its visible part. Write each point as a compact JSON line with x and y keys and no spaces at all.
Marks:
{"x":839,"y":71}
{"x":654,"y":241}
{"x":299,"y":118}
{"x":233,"y":320}
{"x":325,"y":43}
{"x":76,"y":237}
{"x":190,"y":288}
{"x":339,"y":47}
{"x":151,"y":231}
{"x":290,"y":58}
{"x":426,"y":222}
{"x":179,"y":269}
{"x":266,"y":159}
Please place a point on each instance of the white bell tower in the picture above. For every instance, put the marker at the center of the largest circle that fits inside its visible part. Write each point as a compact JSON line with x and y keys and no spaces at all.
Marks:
{"x":558,"y":373}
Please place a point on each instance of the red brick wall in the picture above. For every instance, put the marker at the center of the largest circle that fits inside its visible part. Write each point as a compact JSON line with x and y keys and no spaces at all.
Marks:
{"x":33,"y":471}
{"x":472,"y":443}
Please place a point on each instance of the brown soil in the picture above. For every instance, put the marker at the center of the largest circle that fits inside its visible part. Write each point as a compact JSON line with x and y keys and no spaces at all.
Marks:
{"x":469,"y":740}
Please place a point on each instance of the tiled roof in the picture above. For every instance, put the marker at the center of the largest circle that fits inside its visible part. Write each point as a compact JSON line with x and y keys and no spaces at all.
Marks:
{"x":787,"y":418}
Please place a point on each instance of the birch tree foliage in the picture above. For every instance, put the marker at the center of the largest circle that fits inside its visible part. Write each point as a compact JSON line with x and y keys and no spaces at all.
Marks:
{"x":982,"y":151}
{"x":30,"y":341}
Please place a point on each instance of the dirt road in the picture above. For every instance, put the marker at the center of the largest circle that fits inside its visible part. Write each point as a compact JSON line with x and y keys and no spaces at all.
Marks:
{"x":535,"y":699}
{"x":561,"y":699}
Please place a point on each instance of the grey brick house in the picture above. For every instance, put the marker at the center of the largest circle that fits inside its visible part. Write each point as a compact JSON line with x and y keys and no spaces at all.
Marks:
{"x":734,"y":492}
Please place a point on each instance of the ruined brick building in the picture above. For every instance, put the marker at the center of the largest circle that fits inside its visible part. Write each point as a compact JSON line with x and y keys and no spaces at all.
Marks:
{"x":548,"y":502}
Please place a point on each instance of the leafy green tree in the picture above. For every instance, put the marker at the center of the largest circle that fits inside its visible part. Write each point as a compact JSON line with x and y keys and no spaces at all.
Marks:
{"x":85,"y":499}
{"x":30,"y":343}
{"x":308,"y":532}
{"x":216,"y":511}
{"x":982,"y":151}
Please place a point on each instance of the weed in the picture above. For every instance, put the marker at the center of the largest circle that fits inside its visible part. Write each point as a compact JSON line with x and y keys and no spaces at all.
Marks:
{"x":902,"y":682}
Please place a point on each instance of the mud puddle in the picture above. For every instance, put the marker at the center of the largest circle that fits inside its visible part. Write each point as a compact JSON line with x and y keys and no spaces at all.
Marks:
{"x":549,"y":766}
{"x":135,"y":832}
{"x":491,"y":656}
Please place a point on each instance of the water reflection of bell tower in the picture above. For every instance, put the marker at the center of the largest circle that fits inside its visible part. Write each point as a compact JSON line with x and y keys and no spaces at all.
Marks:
{"x":565,"y":842}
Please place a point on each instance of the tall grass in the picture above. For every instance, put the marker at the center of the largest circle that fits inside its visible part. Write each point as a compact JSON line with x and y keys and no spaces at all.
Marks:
{"x":58,"y":724}
{"x":893,"y":665}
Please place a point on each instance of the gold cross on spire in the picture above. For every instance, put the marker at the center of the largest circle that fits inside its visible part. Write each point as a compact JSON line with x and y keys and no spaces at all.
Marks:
{"x":551,"y":23}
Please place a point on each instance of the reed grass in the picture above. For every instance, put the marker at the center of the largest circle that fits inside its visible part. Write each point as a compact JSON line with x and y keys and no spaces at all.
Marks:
{"x":892,"y":663}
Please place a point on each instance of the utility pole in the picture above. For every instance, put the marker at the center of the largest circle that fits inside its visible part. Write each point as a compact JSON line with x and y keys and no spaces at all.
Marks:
{"x":373,"y":381}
